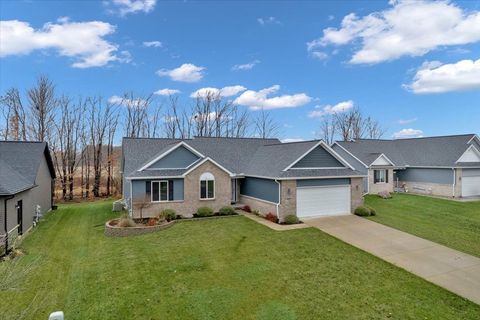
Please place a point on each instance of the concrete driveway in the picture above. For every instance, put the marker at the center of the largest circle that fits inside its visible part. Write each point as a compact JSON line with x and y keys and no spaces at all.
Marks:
{"x":453,"y":270}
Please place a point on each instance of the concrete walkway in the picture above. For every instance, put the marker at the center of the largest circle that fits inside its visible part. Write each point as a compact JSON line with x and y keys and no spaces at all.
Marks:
{"x":453,"y":270}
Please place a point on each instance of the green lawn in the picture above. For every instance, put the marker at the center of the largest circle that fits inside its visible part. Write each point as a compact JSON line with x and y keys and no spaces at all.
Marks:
{"x":451,"y":223}
{"x":230,"y":268}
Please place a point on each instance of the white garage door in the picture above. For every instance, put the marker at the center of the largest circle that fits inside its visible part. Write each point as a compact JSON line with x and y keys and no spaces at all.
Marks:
{"x":470,"y":186}
{"x":323,"y":201}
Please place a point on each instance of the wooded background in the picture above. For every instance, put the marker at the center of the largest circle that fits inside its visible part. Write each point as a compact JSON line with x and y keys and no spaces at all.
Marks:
{"x":84,"y":133}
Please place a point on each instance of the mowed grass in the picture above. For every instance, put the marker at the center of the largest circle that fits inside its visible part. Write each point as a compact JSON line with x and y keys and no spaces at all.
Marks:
{"x":451,"y":223}
{"x":231,"y":268}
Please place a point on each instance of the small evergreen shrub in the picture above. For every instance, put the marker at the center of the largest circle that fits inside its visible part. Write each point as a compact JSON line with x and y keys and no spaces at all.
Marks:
{"x":168,"y":214}
{"x":291,"y":219}
{"x":271,"y":217}
{"x":204,"y":212}
{"x":247,"y":209}
{"x":362,"y":211}
{"x":226,"y":211}
{"x":373,"y":212}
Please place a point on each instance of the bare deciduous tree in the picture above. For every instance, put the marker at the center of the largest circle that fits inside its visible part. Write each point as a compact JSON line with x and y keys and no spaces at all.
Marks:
{"x":14,"y":116}
{"x":42,"y":106}
{"x":265,"y":125}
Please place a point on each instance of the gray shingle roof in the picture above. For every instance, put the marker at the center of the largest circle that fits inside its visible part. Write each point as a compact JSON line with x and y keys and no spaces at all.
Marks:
{"x":441,"y":151}
{"x":19,"y":163}
{"x":248,"y":156}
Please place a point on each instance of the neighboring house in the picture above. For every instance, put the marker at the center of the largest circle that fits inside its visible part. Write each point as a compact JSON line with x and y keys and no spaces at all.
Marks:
{"x":444,"y":166}
{"x":303,"y":178}
{"x":26,"y":185}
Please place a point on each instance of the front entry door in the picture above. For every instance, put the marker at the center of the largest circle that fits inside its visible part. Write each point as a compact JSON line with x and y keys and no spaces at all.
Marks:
{"x":20,"y":217}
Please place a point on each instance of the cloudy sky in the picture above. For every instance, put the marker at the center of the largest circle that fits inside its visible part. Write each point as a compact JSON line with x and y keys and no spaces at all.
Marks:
{"x":413,"y":65}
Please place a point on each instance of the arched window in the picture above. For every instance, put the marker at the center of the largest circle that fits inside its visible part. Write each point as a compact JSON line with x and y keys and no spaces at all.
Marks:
{"x":207,"y":186}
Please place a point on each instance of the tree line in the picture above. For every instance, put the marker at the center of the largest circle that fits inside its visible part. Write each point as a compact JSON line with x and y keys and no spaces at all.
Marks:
{"x":83,"y":133}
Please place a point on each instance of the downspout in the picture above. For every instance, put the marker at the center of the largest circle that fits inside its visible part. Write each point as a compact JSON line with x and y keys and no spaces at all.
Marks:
{"x":279,"y":198}
{"x":454,"y":182}
{"x":5,"y":222}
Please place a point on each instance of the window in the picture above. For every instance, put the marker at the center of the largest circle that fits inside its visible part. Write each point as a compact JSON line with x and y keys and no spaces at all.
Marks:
{"x":207,"y":186}
{"x":160,"y":191}
{"x":380,"y":176}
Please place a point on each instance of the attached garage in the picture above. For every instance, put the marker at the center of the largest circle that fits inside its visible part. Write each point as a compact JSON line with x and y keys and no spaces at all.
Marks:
{"x":317,"y":198}
{"x":471,"y":183}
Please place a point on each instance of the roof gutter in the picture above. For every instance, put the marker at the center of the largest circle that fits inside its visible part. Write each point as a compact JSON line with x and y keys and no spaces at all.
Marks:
{"x":5,"y":224}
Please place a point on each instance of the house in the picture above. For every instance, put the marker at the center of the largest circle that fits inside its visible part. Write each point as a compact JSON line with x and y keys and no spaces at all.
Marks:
{"x":26,"y":186}
{"x":303,"y":178}
{"x":445,"y":166}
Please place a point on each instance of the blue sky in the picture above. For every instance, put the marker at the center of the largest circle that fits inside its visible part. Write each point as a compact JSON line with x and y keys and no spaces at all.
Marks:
{"x":414,"y":66}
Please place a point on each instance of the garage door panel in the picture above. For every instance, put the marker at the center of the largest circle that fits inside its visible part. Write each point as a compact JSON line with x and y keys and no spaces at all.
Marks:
{"x":470,"y":186}
{"x":323,"y":201}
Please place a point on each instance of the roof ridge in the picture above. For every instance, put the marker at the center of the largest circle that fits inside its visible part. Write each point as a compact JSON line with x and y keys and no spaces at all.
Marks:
{"x":22,"y":141}
{"x":292,"y":142}
{"x":234,"y":138}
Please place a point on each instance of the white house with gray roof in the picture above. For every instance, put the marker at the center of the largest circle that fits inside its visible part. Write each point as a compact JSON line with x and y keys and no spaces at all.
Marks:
{"x":26,"y":186}
{"x":444,"y":166}
{"x":303,"y":178}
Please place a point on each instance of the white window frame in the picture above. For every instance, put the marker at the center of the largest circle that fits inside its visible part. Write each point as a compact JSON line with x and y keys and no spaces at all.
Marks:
{"x":159,"y":191}
{"x":206,"y":185}
{"x":385,"y":172}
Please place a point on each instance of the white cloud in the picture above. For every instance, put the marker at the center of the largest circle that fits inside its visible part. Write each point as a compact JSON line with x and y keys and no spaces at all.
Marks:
{"x":320,"y":55}
{"x":127,"y":102}
{"x":154,"y":44}
{"x":288,"y":140}
{"x":166,"y":92}
{"x":407,"y":121}
{"x":268,"y":20}
{"x":187,"y":72}
{"x":408,"y":28}
{"x":257,"y":100}
{"x":329,"y":109}
{"x":246,"y":66}
{"x":438,"y":78}
{"x":408,"y":133}
{"x":224,"y":92}
{"x":124,"y":7}
{"x":82,"y":41}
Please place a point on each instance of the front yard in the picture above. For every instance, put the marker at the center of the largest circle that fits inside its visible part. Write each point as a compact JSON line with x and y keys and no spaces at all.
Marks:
{"x":451,"y":223}
{"x":229,"y":268}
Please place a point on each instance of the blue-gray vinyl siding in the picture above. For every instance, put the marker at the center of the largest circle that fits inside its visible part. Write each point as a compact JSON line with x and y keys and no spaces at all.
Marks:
{"x":177,"y":159}
{"x":139,"y":189}
{"x":471,"y":172}
{"x":318,"y":158}
{"x":430,"y":175}
{"x":351,"y":160}
{"x":322,"y":182}
{"x":264,"y":189}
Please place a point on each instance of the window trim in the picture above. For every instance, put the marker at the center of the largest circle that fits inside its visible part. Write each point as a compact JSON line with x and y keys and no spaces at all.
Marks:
{"x":159,"y":192}
{"x":206,"y":187}
{"x":385,"y":178}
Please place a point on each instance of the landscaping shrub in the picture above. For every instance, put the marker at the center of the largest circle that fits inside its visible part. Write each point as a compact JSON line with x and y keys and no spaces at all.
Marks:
{"x":126,"y":222}
{"x":362,"y":211}
{"x":385,"y":194}
{"x":226,"y":211}
{"x":271,"y":217}
{"x":291,"y":219}
{"x":168,"y":214}
{"x":247,"y":209}
{"x":204,"y":212}
{"x":152,"y":222}
{"x":256,"y":212}
{"x":373,"y":212}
